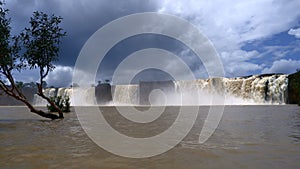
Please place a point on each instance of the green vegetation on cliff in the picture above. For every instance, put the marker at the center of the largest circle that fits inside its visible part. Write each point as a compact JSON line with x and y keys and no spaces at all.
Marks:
{"x":294,"y":88}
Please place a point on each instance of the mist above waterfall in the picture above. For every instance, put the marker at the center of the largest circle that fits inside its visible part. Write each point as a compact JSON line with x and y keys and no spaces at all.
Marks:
{"x":203,"y":97}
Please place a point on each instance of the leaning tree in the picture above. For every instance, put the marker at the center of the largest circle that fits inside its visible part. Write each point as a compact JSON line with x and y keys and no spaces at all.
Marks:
{"x":37,"y":47}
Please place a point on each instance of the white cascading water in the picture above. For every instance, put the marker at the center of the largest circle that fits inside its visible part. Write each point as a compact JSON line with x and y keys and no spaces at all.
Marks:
{"x":243,"y":90}
{"x":39,"y":101}
{"x":87,"y":96}
{"x":64,"y":92}
{"x":268,"y":89}
{"x":271,"y":89}
{"x":86,"y":99}
{"x":125,"y":95}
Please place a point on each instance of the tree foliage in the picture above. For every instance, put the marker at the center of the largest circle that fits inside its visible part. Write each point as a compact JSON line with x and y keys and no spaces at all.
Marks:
{"x":9,"y":47}
{"x":41,"y":41}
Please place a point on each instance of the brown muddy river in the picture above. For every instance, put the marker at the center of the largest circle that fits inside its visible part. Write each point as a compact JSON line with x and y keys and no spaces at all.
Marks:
{"x":247,"y":137}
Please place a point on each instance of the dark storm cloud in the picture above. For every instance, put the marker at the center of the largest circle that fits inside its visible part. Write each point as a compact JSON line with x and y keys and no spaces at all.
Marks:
{"x":81,"y":18}
{"x":128,"y":46}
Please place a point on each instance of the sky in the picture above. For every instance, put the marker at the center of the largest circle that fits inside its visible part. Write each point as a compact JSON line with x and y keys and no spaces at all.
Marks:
{"x":251,"y":37}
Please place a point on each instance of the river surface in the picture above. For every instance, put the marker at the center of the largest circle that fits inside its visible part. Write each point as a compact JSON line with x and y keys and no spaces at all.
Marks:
{"x":264,"y":136}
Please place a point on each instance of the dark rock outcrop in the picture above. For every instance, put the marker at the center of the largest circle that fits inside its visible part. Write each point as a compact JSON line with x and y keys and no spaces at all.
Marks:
{"x":294,"y":88}
{"x":103,"y":93}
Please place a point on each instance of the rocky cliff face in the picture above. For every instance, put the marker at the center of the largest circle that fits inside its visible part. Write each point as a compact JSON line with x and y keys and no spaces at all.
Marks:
{"x":294,"y":88}
{"x":103,"y":93}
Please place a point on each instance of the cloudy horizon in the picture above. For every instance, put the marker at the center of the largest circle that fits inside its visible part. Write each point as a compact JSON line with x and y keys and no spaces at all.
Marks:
{"x":251,"y":37}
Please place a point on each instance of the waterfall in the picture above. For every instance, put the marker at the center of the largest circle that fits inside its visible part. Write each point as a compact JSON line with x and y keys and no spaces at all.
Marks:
{"x":51,"y":92}
{"x":258,"y":89}
{"x":39,"y":101}
{"x":125,"y":94}
{"x":87,"y":96}
{"x":243,"y":90}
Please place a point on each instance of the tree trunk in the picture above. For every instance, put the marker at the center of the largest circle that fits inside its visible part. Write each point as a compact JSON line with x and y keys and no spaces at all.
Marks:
{"x":31,"y":108}
{"x":41,"y":113}
{"x":40,"y":93}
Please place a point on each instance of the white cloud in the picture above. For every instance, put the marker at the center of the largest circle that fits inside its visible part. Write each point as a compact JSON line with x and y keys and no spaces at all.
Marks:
{"x":283,"y":66}
{"x":239,"y":55}
{"x":295,"y":32}
{"x":237,"y":63}
{"x":236,"y":21}
{"x":61,"y":76}
{"x":241,"y":69}
{"x":231,"y":24}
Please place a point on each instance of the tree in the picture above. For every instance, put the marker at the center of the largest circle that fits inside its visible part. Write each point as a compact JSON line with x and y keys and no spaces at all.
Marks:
{"x":40,"y":46}
{"x":41,"y":43}
{"x":20,"y":84}
{"x":44,"y":84}
{"x":30,"y":85}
